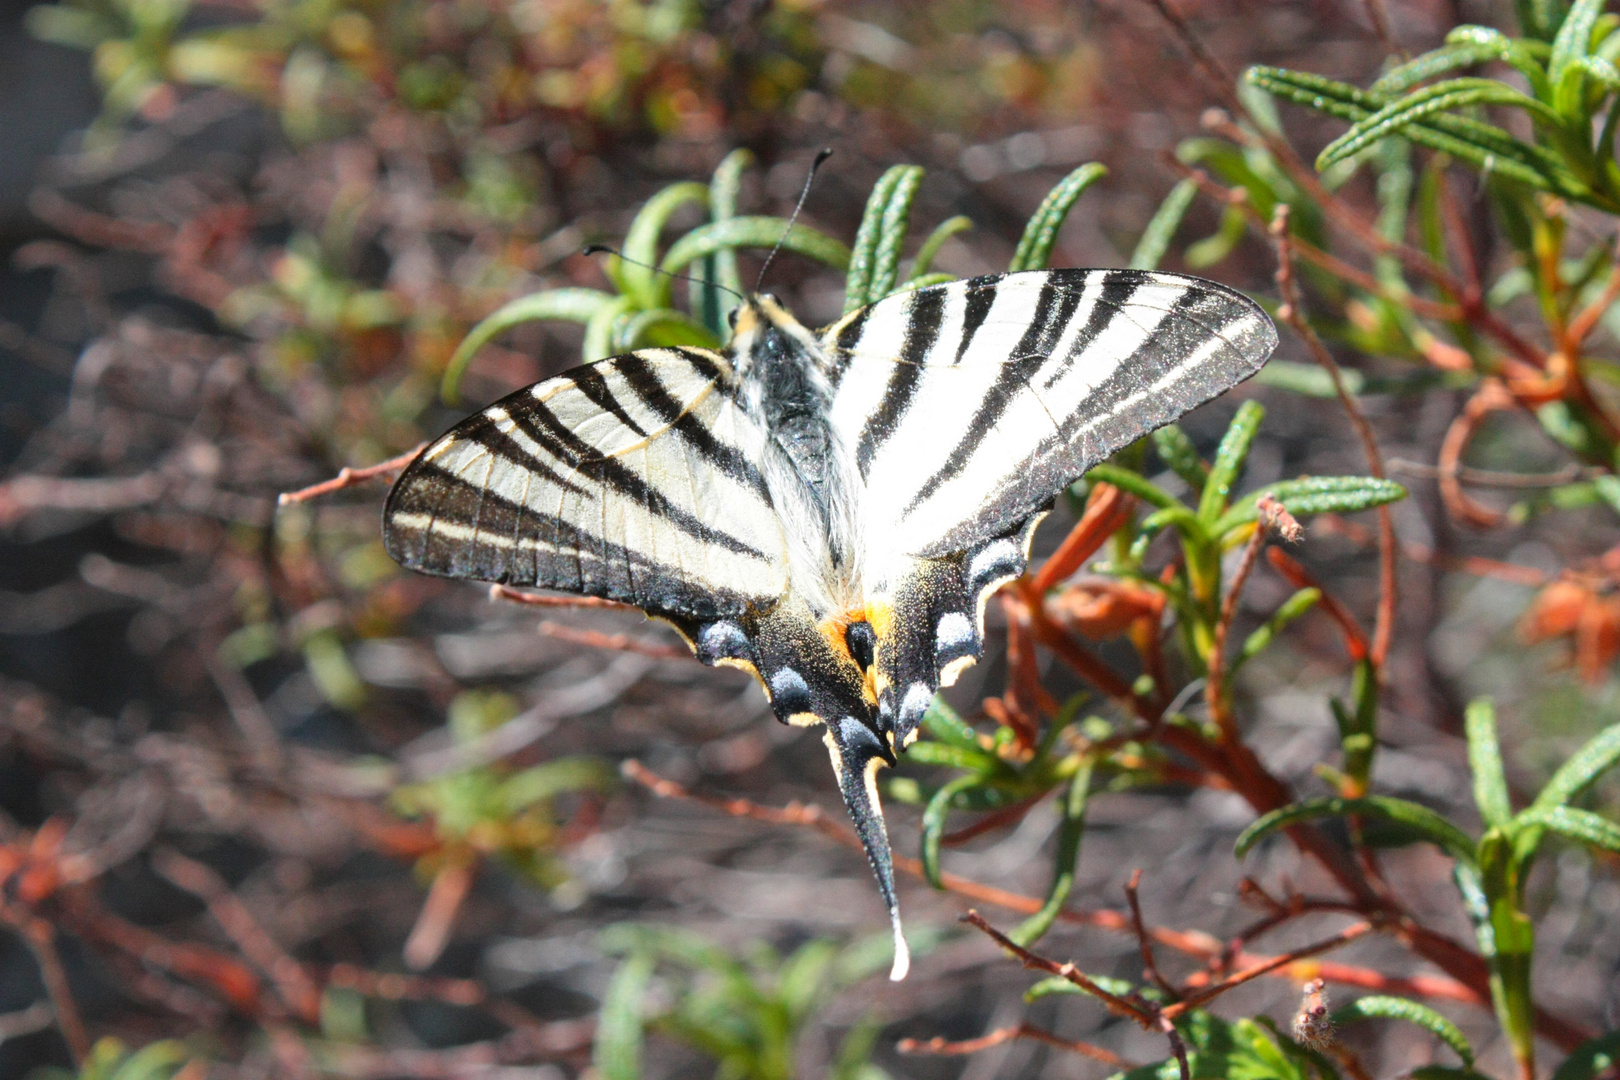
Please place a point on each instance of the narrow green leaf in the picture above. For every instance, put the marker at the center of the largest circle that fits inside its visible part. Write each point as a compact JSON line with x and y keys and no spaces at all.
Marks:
{"x":892,"y":234}
{"x":1398,"y":115}
{"x":1218,"y":245}
{"x":1485,"y":762}
{"x":661,"y":327}
{"x":944,"y":723}
{"x":1519,"y":53}
{"x":936,"y":239}
{"x":754,"y":232}
{"x":1582,"y":826}
{"x":858,"y":283}
{"x":1034,"y":250}
{"x":1162,"y":229}
{"x":1593,"y":1058}
{"x":1574,"y":38}
{"x":933,"y":823}
{"x":546,"y":781}
{"x":1126,"y":480}
{"x":723,"y":190}
{"x":617,"y":1053}
{"x":1229,"y":459}
{"x":1484,"y":146}
{"x":1290,"y":609}
{"x":1066,"y":856}
{"x":641,"y":241}
{"x":923,"y":282}
{"x":1581,"y":770}
{"x":576,"y":305}
{"x":1313,"y":495}
{"x":1178,"y":452}
{"x":1427,"y":823}
{"x":1453,"y":56}
{"x":1380,"y":1007}
{"x":599,"y":329}
{"x":154,"y":1061}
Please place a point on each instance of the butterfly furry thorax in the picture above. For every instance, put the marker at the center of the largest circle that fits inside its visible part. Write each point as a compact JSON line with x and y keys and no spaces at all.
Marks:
{"x":829,"y":510}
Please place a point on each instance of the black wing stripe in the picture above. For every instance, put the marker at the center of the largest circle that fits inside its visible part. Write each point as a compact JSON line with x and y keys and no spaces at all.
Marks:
{"x":590,"y":382}
{"x":538,"y":422}
{"x":638,"y":373}
{"x":927,"y":315}
{"x":488,"y":434}
{"x":980,"y":297}
{"x":849,"y":336}
{"x":1053,"y":309}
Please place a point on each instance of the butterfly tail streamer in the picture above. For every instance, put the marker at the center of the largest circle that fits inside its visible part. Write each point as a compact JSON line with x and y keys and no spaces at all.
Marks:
{"x":856,"y":756}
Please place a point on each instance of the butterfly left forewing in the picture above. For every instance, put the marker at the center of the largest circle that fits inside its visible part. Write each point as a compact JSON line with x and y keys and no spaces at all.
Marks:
{"x":632,"y":478}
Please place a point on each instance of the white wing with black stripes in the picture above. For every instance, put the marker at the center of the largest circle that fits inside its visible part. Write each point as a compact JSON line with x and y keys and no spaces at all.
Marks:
{"x":968,"y":406}
{"x":971,"y":404}
{"x":633,"y":479}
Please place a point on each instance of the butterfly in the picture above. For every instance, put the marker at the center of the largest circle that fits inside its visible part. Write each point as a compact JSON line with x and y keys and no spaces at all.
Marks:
{"x":829,"y":511}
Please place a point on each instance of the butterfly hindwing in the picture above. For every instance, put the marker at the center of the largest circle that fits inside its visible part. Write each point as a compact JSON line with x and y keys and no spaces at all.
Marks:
{"x":632,"y":479}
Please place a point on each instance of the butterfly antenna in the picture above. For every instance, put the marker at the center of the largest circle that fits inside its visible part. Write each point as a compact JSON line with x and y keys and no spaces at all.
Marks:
{"x":603,"y":249}
{"x":821,"y":156}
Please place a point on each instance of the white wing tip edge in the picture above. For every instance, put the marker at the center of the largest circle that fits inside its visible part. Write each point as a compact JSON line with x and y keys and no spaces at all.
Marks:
{"x":902,"y":956}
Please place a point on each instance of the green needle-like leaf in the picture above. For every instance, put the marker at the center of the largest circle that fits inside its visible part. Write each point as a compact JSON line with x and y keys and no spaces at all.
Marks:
{"x":1574,"y":39}
{"x":933,"y":823}
{"x":858,"y":283}
{"x":1582,"y":826}
{"x":892,"y":234}
{"x":1582,"y":769}
{"x":661,"y":327}
{"x":1162,"y":229}
{"x":1381,"y":1007}
{"x":1420,"y":819}
{"x":1229,"y":459}
{"x":1593,"y":1058}
{"x":575,"y":305}
{"x":1313,"y":495}
{"x":1291,"y":609}
{"x":1452,"y":94}
{"x":1126,"y":480}
{"x":1485,"y":762}
{"x":754,"y":232}
{"x":619,"y":1029}
{"x":641,"y":242}
{"x":723,"y":207}
{"x":1034,"y":250}
{"x":1067,"y":856}
{"x":936,"y":239}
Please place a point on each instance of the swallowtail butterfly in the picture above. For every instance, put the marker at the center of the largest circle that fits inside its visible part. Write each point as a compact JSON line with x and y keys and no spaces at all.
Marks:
{"x":828,"y":511}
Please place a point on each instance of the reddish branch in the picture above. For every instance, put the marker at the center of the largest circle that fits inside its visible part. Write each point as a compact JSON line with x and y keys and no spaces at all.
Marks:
{"x":942,"y":1046}
{"x":1294,"y":316}
{"x":1193,"y":943}
{"x":347,"y":478}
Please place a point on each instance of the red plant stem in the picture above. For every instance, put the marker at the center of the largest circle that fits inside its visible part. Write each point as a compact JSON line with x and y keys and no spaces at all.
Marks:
{"x":1190,"y":942}
{"x":518,"y":596}
{"x":299,"y":994}
{"x":347,"y":477}
{"x":1215,"y":685}
{"x":619,"y":642}
{"x":938,"y":1045}
{"x":1141,"y":1012}
{"x":1291,"y":313}
{"x":1107,"y":511}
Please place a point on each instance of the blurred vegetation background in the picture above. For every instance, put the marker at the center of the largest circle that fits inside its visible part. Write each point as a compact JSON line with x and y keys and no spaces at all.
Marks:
{"x":270,"y":806}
